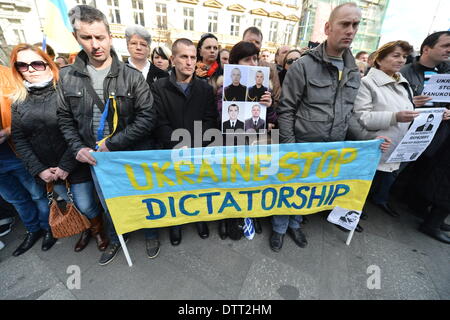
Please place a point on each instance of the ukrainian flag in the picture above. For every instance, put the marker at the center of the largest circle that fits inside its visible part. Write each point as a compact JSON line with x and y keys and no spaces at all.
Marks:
{"x":57,"y":27}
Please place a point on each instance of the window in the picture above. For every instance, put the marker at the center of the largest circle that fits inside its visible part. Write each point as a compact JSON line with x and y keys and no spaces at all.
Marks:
{"x":212,"y":21}
{"x":19,"y":36}
{"x":188,"y":19}
{"x":88,"y":2}
{"x":235,"y":22}
{"x":258,"y":23}
{"x":273,"y":31}
{"x":288,"y":34}
{"x":161,"y":16}
{"x":114,"y":11}
{"x":138,"y":12}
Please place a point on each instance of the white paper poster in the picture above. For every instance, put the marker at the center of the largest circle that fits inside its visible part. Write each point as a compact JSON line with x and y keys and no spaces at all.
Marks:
{"x":345,"y":218}
{"x":419,"y":135}
{"x":438,"y":88}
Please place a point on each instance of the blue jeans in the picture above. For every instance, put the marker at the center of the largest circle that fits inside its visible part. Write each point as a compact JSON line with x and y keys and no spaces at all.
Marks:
{"x":280,"y":224}
{"x":83,"y":197}
{"x":112,"y":234}
{"x":20,"y":189}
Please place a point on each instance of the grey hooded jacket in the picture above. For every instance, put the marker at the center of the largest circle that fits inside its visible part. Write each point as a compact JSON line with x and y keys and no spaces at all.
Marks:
{"x":315,"y":106}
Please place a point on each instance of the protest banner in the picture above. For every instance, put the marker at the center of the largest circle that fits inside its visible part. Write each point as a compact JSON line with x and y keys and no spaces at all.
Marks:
{"x":438,"y":88}
{"x":419,"y":135}
{"x":159,"y":188}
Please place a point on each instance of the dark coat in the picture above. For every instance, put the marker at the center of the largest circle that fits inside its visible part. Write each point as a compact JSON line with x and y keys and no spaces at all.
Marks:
{"x":227,"y":125}
{"x":416,"y":78}
{"x":235,"y":93}
{"x":137,"y":117}
{"x":255,"y":94}
{"x":250,"y":125}
{"x":177,"y":110}
{"x":436,"y":179}
{"x":38,"y":139}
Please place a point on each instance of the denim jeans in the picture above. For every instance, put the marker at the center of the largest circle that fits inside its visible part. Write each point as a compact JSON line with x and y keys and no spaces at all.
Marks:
{"x":112,"y":234}
{"x":83,"y":197}
{"x":20,"y":189}
{"x":280,"y":224}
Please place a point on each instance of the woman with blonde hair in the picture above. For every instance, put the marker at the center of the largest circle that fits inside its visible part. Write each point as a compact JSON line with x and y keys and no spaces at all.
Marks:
{"x":40,"y":143}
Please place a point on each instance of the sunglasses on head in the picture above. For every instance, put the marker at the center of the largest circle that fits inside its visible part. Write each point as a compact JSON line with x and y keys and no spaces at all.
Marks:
{"x":36,"y":65}
{"x":291,"y":61}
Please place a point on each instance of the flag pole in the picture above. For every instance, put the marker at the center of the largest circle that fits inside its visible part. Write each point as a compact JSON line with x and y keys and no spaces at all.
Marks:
{"x":44,"y":38}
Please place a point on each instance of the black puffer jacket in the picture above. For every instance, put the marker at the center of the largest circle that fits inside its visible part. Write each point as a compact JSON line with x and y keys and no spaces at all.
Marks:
{"x":134,"y":103}
{"x":37,"y":137}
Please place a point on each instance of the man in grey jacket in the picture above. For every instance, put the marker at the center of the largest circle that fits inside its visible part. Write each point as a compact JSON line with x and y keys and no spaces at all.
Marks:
{"x":317,"y":100}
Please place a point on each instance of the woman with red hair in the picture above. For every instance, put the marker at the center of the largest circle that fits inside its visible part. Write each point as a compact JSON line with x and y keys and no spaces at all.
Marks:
{"x":17,"y":186}
{"x":40,"y":143}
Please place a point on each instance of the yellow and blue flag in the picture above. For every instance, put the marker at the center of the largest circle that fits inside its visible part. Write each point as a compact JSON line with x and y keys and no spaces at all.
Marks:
{"x":57,"y":27}
{"x":158,"y":188}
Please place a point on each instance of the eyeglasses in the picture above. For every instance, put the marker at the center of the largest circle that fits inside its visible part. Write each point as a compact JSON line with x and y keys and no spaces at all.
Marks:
{"x":36,"y":65}
{"x":291,"y":61}
{"x":135,"y":44}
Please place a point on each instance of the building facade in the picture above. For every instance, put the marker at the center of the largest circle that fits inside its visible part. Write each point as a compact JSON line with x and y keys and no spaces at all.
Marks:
{"x":18,"y":23}
{"x":168,"y":20}
{"x":315,"y":14}
{"x":291,"y":22}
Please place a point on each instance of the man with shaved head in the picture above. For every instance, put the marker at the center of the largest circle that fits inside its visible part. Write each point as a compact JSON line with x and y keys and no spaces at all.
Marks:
{"x":317,"y":100}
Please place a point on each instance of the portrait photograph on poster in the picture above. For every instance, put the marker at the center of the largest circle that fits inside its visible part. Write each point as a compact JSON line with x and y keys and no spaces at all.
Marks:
{"x":235,"y":79}
{"x":233,"y":117}
{"x":255,"y":117}
{"x":258,"y":83}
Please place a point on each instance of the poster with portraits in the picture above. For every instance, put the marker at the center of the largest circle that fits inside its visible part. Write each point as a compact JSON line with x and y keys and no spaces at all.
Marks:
{"x":243,"y":87}
{"x":419,"y":135}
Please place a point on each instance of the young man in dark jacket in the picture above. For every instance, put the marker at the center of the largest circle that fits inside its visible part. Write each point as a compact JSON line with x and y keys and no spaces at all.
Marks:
{"x":84,"y":89}
{"x":180,"y":100}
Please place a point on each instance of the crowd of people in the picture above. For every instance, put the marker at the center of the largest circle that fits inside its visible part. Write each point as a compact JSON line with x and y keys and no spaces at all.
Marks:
{"x":55,"y":112}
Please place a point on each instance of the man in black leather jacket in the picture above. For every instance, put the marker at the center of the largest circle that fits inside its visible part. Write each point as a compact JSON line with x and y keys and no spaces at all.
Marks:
{"x":84,"y":90}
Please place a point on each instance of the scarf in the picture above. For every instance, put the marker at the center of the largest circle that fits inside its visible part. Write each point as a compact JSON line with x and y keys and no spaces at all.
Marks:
{"x":202,"y":70}
{"x":37,"y":85}
{"x":213,"y":69}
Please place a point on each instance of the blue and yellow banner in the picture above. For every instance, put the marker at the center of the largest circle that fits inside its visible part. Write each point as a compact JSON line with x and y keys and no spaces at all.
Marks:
{"x":158,"y":188}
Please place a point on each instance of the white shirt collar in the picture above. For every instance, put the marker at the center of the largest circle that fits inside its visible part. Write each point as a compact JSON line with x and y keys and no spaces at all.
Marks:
{"x":144,"y":71}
